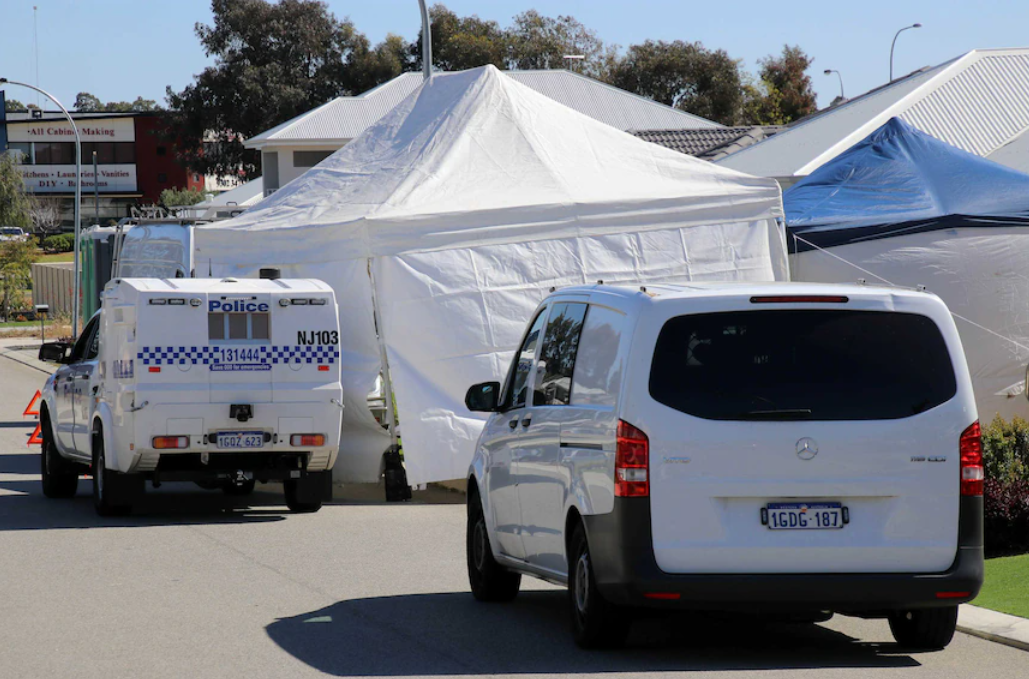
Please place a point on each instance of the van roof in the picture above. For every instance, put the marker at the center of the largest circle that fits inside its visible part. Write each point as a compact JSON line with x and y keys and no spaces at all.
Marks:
{"x":188,"y":285}
{"x":662,"y":292}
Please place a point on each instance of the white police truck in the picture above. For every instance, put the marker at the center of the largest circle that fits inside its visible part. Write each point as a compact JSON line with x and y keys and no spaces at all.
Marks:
{"x":220,"y":382}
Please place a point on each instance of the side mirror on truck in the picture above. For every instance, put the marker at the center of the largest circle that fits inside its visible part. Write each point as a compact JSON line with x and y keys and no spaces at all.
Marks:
{"x":483,"y":397}
{"x":54,"y":352}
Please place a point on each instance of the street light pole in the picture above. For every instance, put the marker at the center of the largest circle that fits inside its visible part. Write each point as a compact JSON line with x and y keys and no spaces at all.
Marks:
{"x":426,"y":42}
{"x":895,"y":44}
{"x":833,"y":70}
{"x":78,"y":196}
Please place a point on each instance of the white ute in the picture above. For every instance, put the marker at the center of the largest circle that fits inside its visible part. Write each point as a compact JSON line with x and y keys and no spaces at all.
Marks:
{"x":786,"y":448}
{"x":220,"y":382}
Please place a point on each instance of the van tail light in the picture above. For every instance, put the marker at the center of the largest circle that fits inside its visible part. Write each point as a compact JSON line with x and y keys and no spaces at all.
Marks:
{"x":307,"y":440}
{"x":971,"y":448}
{"x":632,"y":462}
{"x":167,"y":442}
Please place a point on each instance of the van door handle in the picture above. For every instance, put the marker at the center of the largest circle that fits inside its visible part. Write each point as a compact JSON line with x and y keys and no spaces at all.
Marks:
{"x":526,"y":421}
{"x":513,"y":423}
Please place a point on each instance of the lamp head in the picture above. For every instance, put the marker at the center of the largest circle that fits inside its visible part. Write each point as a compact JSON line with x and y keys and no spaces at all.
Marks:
{"x":828,"y":71}
{"x":916,"y":25}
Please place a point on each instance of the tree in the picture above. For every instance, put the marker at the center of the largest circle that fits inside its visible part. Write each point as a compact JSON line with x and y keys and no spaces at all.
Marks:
{"x":87,"y":103}
{"x":685,"y":75}
{"x":540,"y":42}
{"x":372,"y":67}
{"x":16,"y":258}
{"x":14,"y":106}
{"x":272,"y":62}
{"x":459,"y":43}
{"x":45,"y":213}
{"x":14,"y":204}
{"x":784,"y":93}
{"x":181,"y":197}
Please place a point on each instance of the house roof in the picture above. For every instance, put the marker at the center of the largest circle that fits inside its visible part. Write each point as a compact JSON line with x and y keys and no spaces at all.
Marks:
{"x":708,"y":143}
{"x":978,"y":102}
{"x":344,"y":118}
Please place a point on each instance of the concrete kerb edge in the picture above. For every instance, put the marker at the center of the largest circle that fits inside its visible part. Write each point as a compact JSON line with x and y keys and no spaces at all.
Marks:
{"x":994,"y":626}
{"x":7,"y":351}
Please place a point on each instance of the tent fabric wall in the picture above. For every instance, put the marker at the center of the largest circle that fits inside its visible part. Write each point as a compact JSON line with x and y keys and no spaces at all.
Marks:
{"x":465,"y":204}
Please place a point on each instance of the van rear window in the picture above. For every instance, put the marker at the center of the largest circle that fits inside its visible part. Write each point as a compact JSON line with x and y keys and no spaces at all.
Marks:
{"x":802,"y":365}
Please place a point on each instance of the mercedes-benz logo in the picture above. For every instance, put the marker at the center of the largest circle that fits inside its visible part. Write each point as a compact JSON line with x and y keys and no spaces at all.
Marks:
{"x":807,"y":448}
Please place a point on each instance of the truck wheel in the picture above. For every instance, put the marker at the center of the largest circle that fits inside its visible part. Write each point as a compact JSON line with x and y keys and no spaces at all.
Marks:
{"x":105,"y":500}
{"x":239,"y":488}
{"x":489,"y":580}
{"x":926,"y":628}
{"x":58,"y":482}
{"x":596,"y":623}
{"x":292,"y":489}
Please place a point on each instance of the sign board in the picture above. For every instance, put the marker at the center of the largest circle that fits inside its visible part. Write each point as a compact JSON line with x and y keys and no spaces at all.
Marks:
{"x":90,"y":129}
{"x":61,"y":178}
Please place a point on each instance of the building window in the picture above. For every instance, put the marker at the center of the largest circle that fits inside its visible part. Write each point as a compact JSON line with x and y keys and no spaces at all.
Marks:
{"x":162,"y":151}
{"x":125,"y":153}
{"x":55,"y":153}
{"x":309,"y":158}
{"x":162,"y":178}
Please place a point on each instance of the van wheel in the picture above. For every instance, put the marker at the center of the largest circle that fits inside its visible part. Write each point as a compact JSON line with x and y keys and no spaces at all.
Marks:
{"x":596,"y":623}
{"x":489,"y":580}
{"x":927,"y":628}
{"x":58,"y":482}
{"x":105,"y":501}
{"x":292,"y":490}
{"x":239,"y":488}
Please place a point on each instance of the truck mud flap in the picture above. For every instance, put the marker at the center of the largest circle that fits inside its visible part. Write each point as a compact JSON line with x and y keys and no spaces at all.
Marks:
{"x":128,"y":488}
{"x":314,"y":487}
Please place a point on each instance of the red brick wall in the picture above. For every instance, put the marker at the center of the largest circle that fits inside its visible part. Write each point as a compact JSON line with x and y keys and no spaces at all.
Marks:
{"x":152,"y":168}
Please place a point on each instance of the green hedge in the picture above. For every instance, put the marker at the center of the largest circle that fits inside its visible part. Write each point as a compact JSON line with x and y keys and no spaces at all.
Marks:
{"x":1006,"y":493}
{"x":64,"y":242}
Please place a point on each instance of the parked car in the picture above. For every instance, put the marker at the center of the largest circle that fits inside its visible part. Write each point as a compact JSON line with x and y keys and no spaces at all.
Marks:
{"x":219,"y":382}
{"x":782,"y":448}
{"x":8,"y":233}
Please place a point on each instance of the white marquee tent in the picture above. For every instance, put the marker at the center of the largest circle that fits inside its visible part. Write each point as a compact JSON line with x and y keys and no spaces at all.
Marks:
{"x":451,"y":218}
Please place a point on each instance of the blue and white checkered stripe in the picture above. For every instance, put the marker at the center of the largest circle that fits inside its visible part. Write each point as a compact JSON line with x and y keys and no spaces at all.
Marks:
{"x":314,"y":354}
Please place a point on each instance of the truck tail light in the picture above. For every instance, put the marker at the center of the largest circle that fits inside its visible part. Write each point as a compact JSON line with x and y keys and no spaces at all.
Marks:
{"x":971,"y":448}
{"x":632,"y":462}
{"x":307,"y":440}
{"x":166,"y":442}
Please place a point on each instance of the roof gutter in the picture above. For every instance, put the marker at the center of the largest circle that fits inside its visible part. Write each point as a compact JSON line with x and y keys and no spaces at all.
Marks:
{"x":426,"y":42}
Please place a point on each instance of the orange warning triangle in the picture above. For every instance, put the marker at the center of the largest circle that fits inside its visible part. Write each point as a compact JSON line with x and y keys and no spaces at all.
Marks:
{"x":36,"y":438}
{"x":33,"y":403}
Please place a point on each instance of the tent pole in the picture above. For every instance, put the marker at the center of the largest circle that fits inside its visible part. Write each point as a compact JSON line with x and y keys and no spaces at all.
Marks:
{"x":387,"y":380}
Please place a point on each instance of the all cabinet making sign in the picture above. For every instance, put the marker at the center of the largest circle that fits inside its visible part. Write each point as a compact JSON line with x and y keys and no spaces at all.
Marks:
{"x":61,"y":178}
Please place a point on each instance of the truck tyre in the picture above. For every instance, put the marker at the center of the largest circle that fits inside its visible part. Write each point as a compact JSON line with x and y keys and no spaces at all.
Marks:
{"x":295,"y":500}
{"x":926,"y":629}
{"x":489,"y":580}
{"x":105,"y":499}
{"x":58,"y":481}
{"x":239,"y":488}
{"x":596,"y":623}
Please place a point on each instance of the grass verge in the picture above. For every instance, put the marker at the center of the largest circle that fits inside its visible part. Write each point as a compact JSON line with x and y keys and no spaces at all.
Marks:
{"x":1007,"y":585}
{"x":58,"y":257}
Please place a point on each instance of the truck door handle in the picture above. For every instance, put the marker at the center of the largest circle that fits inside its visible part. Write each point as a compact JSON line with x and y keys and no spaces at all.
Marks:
{"x":96,"y":389}
{"x":526,"y":422}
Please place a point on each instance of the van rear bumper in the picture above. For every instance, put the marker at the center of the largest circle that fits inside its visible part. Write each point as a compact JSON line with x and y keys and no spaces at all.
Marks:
{"x":622,"y":552}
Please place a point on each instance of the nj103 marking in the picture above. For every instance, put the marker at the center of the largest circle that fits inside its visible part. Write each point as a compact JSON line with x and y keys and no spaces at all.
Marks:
{"x":804,"y":516}
{"x":320,"y":337}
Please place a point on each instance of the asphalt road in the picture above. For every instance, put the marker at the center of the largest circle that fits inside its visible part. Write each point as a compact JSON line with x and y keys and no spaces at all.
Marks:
{"x":197,"y":585}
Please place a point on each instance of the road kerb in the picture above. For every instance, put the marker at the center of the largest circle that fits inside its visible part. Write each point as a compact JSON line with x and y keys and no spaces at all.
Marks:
{"x":1002,"y":628}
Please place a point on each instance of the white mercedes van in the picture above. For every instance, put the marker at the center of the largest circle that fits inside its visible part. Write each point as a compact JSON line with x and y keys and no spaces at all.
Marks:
{"x":795,"y":448}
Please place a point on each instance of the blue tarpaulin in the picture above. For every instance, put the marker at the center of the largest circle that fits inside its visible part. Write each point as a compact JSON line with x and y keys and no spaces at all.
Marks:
{"x":898,"y":181}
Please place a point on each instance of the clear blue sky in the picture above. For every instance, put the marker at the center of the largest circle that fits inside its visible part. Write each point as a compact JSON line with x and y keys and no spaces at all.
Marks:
{"x":120,"y":49}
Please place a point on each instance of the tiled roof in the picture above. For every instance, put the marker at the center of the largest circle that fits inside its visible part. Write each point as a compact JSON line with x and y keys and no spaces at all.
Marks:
{"x":704,"y":142}
{"x":344,"y":118}
{"x":978,"y":102}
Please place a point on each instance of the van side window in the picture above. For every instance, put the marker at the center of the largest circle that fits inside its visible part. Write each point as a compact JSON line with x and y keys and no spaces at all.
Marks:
{"x":239,"y":326}
{"x":553,"y":385}
{"x":598,"y":367}
{"x":518,"y":378}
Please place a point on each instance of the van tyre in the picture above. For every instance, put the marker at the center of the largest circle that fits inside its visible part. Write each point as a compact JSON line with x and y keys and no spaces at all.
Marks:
{"x":489,"y":580}
{"x":295,"y":501}
{"x":60,"y":478}
{"x":596,"y":623}
{"x":926,"y":628}
{"x":106,"y":500}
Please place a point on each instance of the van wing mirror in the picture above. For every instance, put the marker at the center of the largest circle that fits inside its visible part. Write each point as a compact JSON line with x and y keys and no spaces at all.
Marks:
{"x":54,"y":352}
{"x":483,"y":397}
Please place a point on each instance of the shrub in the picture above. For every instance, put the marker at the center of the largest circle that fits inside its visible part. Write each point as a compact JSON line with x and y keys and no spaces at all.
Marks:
{"x":1006,"y":449}
{"x":21,"y":319}
{"x":1006,"y":492}
{"x":64,"y":242}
